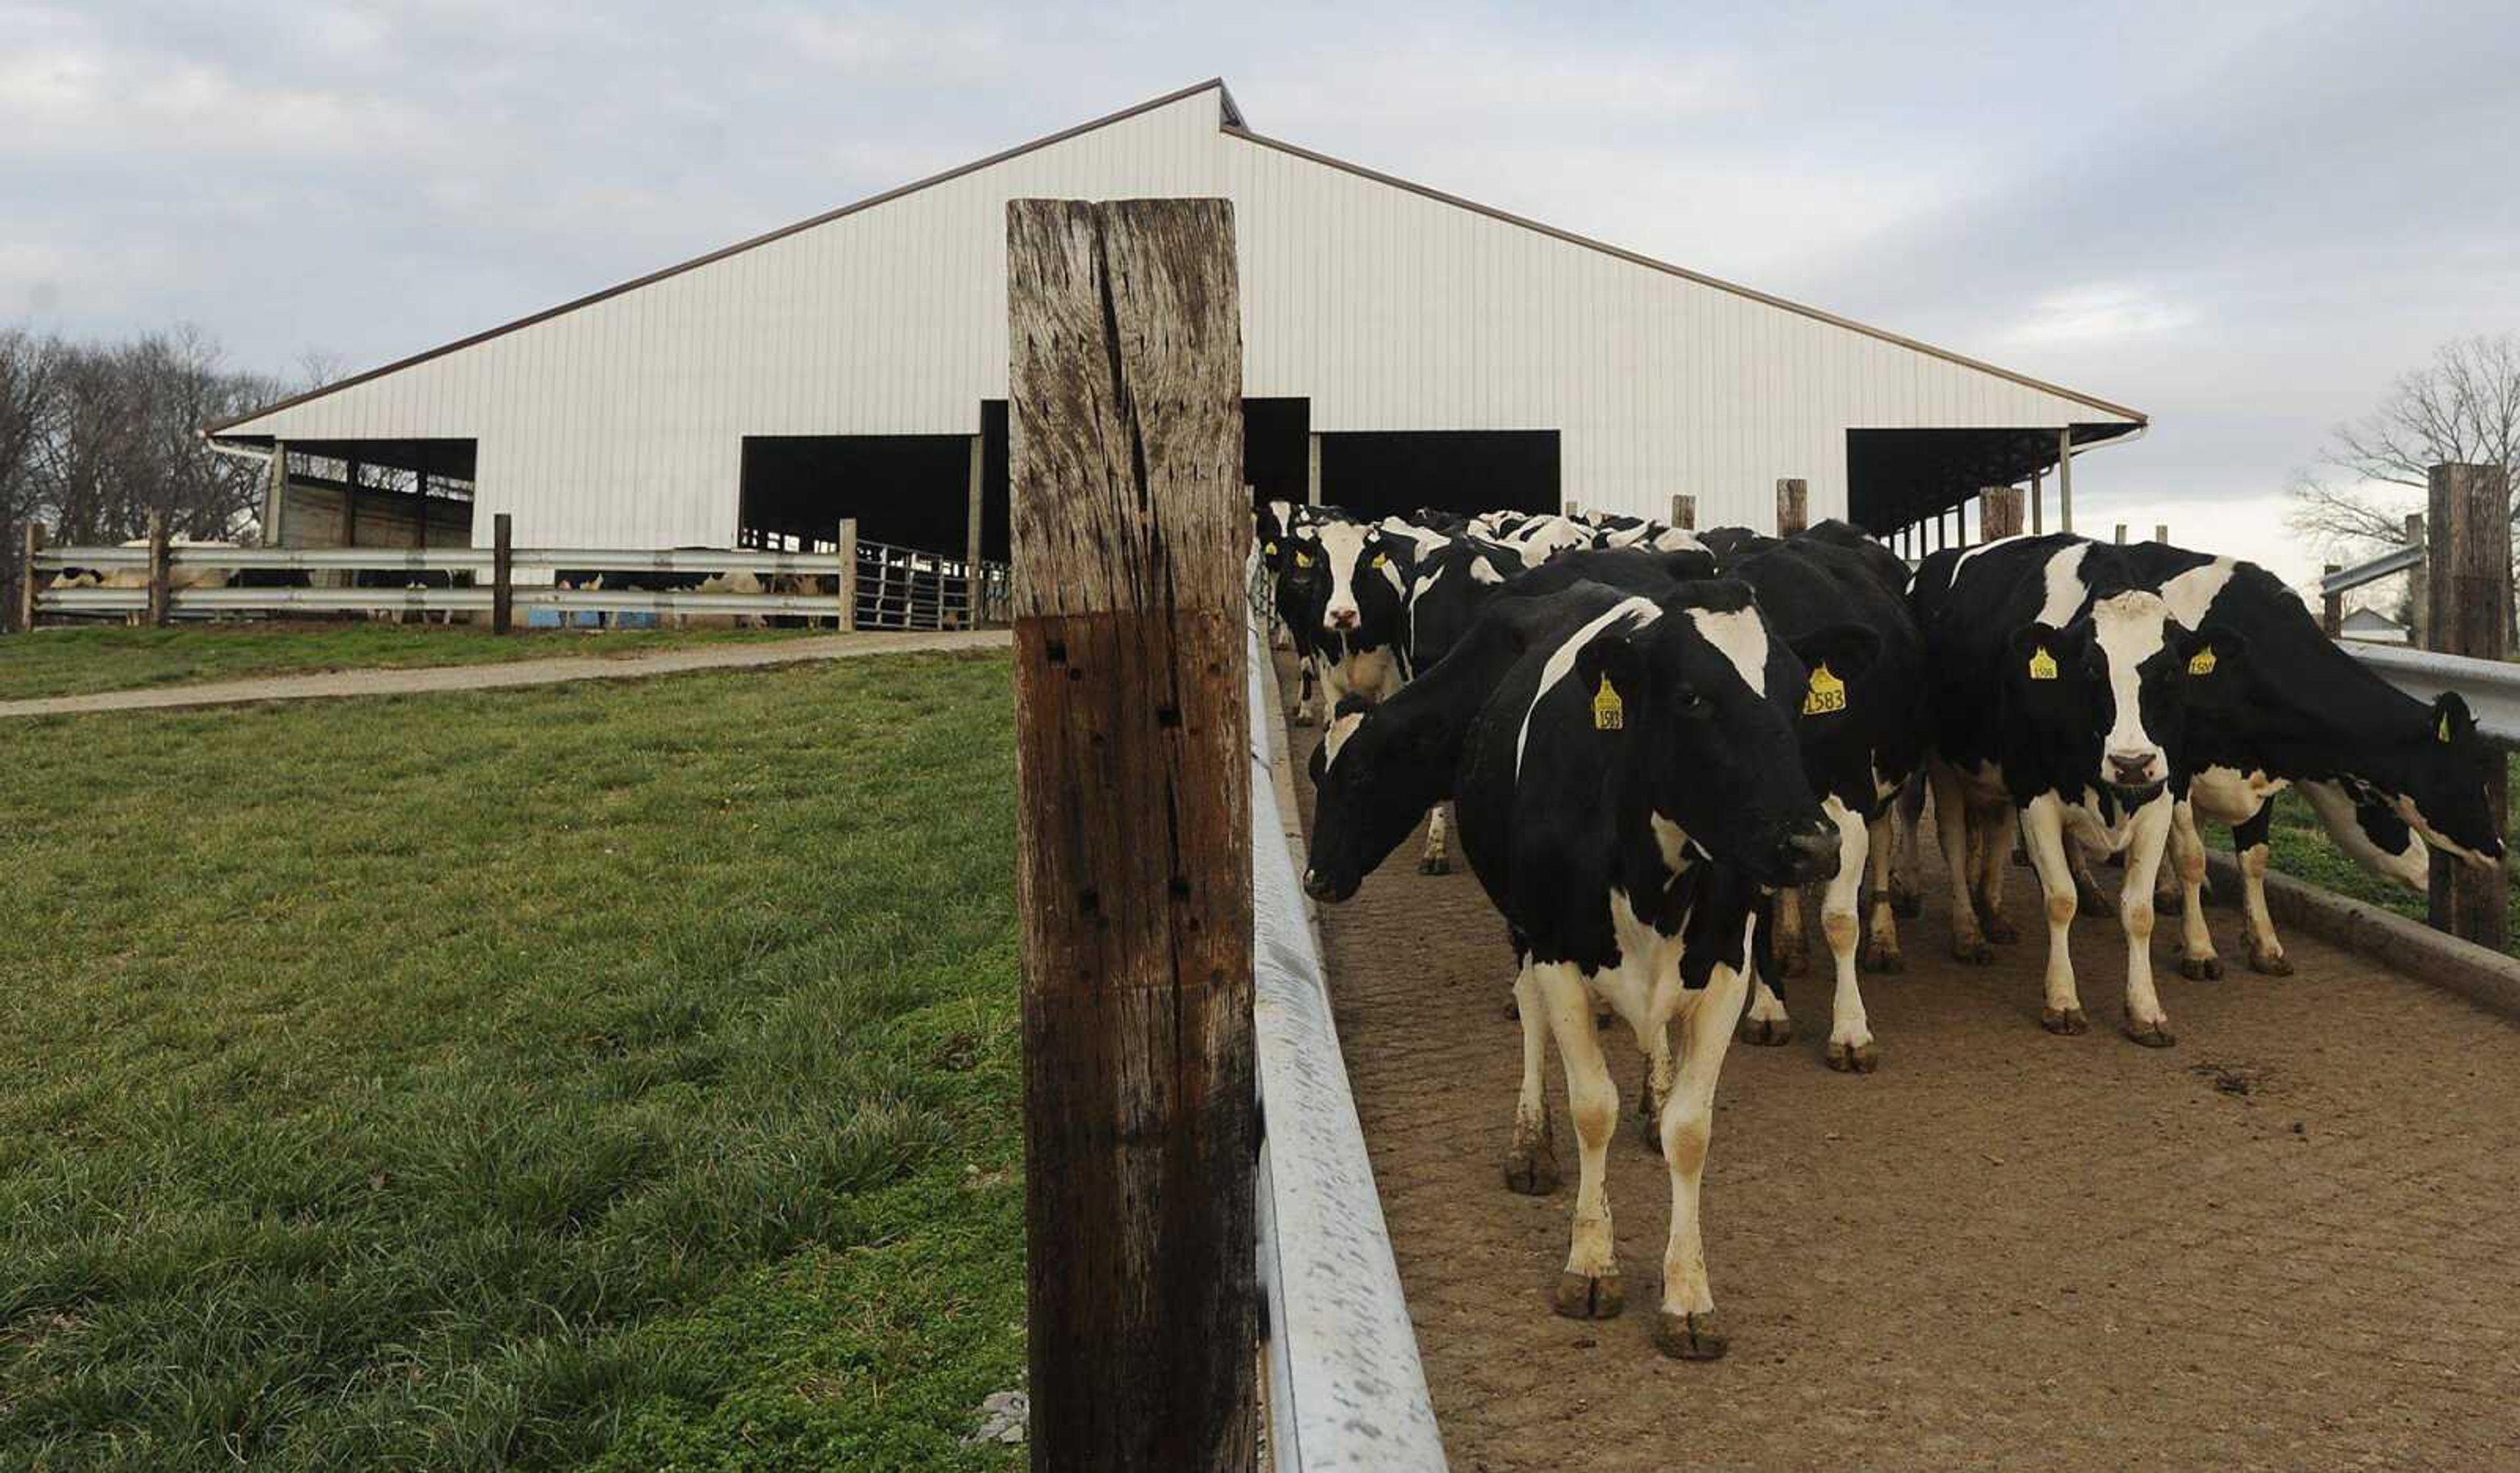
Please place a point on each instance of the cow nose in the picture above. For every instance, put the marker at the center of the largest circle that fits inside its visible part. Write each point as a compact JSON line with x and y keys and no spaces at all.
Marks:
{"x":1809,"y":853}
{"x":2130,"y":769}
{"x":1342,"y":618}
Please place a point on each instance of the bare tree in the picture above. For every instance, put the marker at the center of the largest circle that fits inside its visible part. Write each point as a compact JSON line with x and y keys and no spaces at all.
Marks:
{"x":2463,"y":407}
{"x":26,"y":392}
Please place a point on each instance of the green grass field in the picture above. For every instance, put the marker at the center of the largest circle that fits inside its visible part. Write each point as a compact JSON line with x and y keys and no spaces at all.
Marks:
{"x":74,"y":661}
{"x":618,"y":1075}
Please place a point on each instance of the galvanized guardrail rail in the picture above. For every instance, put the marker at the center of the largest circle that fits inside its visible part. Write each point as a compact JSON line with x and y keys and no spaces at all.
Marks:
{"x":2490,"y":687}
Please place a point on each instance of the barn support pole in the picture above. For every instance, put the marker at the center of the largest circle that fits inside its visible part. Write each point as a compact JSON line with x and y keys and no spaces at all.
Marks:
{"x":1311,"y":470}
{"x":274,"y":496}
{"x":34,"y":547}
{"x":2331,"y":606}
{"x":2037,"y":505}
{"x":1793,"y":505}
{"x":1124,"y":408}
{"x":2418,"y":590}
{"x":157,"y":558}
{"x":2469,"y":580}
{"x":2121,"y":534}
{"x":503,"y":575}
{"x":1684,"y":510}
{"x":846,"y":543}
{"x":1999,"y":512}
{"x":351,"y":508}
{"x":2161,"y":532}
{"x":2065,"y":478}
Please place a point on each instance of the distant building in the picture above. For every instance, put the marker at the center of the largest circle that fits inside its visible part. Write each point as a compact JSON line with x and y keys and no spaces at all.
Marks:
{"x":2373,"y":626}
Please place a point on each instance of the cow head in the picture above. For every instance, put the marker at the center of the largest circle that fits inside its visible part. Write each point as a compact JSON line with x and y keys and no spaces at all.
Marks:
{"x":1374,"y":775}
{"x":1345,"y":578}
{"x":2112,"y":688}
{"x":1706,"y":697}
{"x":2446,"y":765}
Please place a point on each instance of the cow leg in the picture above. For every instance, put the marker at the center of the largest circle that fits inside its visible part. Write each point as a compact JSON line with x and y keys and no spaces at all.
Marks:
{"x":1996,"y":835}
{"x":1905,"y":897}
{"x":1685,"y":1327}
{"x":1308,"y":684}
{"x":2196,"y":959}
{"x":1653,"y":1038}
{"x":2043,"y":832}
{"x":1764,"y":1022}
{"x":2266,"y":951}
{"x":1531,"y":1163}
{"x":1435,"y":860}
{"x":1793,"y":948}
{"x":2087,"y":887}
{"x":1881,"y":933}
{"x":2145,"y":1023}
{"x":1950,"y":827}
{"x":1850,"y":1035}
{"x":1589,"y":1288}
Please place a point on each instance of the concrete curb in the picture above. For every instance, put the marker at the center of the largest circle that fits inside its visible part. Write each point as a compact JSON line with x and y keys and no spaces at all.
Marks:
{"x":2488,"y":979}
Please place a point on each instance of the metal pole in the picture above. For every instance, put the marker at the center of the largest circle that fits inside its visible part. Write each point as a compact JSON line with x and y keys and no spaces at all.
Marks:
{"x":2065,"y":478}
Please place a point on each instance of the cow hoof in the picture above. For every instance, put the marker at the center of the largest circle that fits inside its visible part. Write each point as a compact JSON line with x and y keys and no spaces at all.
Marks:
{"x":1976,"y":953}
{"x":1435,"y":867}
{"x":1765,"y":1032}
{"x":1687,"y":1336}
{"x":2271,"y":963}
{"x":1588,"y":1297}
{"x":2199,"y":968}
{"x":1855,"y":1058}
{"x":1883,"y":959}
{"x":1531,"y":1170}
{"x":1998,"y":930}
{"x":2153,"y":1035}
{"x":2071,"y":1020}
{"x":1907,"y":905}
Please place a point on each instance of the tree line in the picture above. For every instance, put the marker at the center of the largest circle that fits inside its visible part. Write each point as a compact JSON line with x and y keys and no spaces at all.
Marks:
{"x":96,"y":436}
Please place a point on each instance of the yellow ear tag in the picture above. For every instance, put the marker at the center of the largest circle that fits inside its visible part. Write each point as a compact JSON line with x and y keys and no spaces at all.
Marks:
{"x":1827,"y":693}
{"x":1609,"y":714}
{"x":1269,"y":549}
{"x":1379,"y":559}
{"x":2445,"y":728}
{"x":2202,"y":664}
{"x":2043,"y":665}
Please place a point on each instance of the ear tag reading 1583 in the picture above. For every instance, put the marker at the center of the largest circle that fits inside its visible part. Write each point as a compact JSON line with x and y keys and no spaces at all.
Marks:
{"x":1827,"y":693}
{"x":2203,"y":662}
{"x":1608,"y":712}
{"x":2043,"y":665}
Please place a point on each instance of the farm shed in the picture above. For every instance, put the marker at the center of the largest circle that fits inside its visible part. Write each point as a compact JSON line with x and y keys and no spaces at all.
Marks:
{"x":1402,"y":347}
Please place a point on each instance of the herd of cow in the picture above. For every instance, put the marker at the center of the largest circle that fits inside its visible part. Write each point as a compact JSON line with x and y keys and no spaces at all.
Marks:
{"x":1650,"y":741}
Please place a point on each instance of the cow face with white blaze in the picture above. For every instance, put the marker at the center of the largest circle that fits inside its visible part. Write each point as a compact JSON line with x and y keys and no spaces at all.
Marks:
{"x":1347,"y":580}
{"x":2112,"y":688}
{"x":1712,"y":697}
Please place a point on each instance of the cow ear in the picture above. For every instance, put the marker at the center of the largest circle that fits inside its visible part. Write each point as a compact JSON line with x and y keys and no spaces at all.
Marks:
{"x":2039,"y":651}
{"x":2451,"y":720}
{"x":1611,"y":659}
{"x":2212,"y":661}
{"x":1846,"y":649}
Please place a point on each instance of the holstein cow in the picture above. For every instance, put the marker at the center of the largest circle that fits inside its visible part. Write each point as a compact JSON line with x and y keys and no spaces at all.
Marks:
{"x":1345,"y":591}
{"x":2386,"y":774}
{"x":1626,"y":789}
{"x":2060,"y":688}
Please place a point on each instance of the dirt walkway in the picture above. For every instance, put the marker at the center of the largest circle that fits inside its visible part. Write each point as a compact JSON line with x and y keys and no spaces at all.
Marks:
{"x":432,"y":679}
{"x":2291,"y":1242}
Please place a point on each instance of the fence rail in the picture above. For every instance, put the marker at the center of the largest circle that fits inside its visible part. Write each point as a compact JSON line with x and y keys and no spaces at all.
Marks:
{"x":2490,"y":687}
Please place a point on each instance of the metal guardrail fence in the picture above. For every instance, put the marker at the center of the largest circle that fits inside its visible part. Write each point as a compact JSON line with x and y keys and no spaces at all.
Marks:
{"x":2490,"y":687}
{"x":2396,"y":560}
{"x":1345,"y":1388}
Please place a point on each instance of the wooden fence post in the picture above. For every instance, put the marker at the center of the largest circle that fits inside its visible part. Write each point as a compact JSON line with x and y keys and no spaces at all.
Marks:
{"x":2037,"y":505}
{"x":503,"y":575}
{"x":1133,"y":877}
{"x":2065,"y":478}
{"x":27,"y":578}
{"x":1684,"y":510}
{"x":2161,"y":532}
{"x":2331,"y":606}
{"x":2418,"y":590}
{"x":2468,"y":555}
{"x":848,"y":548}
{"x":1999,"y":512}
{"x":158,"y":557}
{"x":1793,"y":506}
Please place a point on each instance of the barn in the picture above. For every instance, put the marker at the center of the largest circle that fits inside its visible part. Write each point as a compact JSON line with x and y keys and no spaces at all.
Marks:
{"x":1403,"y":347}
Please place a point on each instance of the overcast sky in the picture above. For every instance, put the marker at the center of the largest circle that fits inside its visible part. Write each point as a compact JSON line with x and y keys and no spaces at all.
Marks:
{"x":2244,"y":219}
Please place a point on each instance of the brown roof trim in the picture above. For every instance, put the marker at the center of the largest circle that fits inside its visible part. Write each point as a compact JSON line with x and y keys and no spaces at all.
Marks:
{"x":1236,"y":130}
{"x":1231,"y":116}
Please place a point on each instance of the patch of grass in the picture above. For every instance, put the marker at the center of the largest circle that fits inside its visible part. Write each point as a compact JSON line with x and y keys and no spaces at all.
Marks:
{"x":2300,"y":847}
{"x":619,"y":1072}
{"x":76,"y":662}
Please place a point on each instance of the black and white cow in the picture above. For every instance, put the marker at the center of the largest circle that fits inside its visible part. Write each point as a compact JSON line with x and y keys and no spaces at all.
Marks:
{"x":1627,"y":787}
{"x":2388,"y":776}
{"x":1344,"y":593}
{"x":2060,"y":688}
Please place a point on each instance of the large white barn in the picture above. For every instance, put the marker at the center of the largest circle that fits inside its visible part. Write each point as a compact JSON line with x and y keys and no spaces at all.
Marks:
{"x":1402,"y":347}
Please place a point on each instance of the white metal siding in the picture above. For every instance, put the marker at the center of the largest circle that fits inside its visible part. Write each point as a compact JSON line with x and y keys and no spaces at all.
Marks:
{"x":621,"y":423}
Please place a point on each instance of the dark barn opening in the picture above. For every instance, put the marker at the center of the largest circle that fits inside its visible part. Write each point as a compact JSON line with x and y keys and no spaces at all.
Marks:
{"x":1277,"y":454}
{"x":1379,"y":473}
{"x":905,"y":490}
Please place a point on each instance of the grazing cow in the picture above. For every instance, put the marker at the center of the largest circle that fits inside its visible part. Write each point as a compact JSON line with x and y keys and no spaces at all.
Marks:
{"x":2060,"y":688}
{"x":2389,"y":776}
{"x":1626,"y":786}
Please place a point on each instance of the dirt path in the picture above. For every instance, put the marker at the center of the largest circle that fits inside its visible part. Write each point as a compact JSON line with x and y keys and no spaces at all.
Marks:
{"x":2291,"y":1242}
{"x":428,"y":680}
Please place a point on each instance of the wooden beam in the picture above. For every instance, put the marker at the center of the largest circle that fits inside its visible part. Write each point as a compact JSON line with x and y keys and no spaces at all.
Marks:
{"x":274,"y":496}
{"x":2420,"y":613}
{"x":2037,"y":506}
{"x":2121,"y":534}
{"x":846,"y":543}
{"x":503,"y":575}
{"x":1793,"y":505}
{"x":1999,"y":512}
{"x":2469,"y":582}
{"x":2065,"y":478}
{"x":26,"y":576}
{"x":2331,"y":607}
{"x":159,"y":587}
{"x":1684,"y":510}
{"x":1133,"y":880}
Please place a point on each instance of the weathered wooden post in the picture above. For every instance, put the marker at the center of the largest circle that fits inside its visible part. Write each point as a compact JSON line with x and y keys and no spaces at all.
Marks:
{"x":2331,"y":606}
{"x":158,"y":558}
{"x":26,"y":576}
{"x":1793,"y":506}
{"x":1999,"y":512}
{"x":848,"y":548}
{"x":503,"y":575}
{"x":2037,"y":505}
{"x":1684,"y":510}
{"x":2121,"y":534}
{"x":2161,"y":532}
{"x":2469,"y":579}
{"x":2418,"y":592}
{"x":1134,"y":865}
